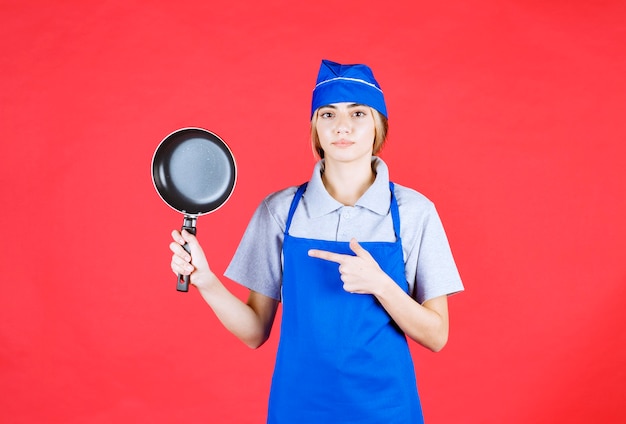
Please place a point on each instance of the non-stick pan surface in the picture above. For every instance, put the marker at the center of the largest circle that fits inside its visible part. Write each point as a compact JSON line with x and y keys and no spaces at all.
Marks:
{"x":194,"y":172}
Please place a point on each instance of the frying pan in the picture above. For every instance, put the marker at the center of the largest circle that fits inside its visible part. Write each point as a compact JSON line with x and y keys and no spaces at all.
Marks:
{"x":194,"y":172}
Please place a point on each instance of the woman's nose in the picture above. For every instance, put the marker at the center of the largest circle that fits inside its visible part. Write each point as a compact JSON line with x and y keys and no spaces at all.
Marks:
{"x":342,"y":124}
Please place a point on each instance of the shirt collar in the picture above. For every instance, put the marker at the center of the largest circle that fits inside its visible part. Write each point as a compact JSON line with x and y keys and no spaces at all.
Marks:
{"x":377,"y":197}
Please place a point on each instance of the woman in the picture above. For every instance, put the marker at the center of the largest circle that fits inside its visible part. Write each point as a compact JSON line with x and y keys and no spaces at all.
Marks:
{"x":358,"y":263}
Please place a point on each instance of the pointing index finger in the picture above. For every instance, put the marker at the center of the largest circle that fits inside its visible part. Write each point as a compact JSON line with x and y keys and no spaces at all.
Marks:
{"x":326,"y":255}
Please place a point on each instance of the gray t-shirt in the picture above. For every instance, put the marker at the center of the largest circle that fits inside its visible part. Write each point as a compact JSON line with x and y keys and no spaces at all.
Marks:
{"x":429,"y":266}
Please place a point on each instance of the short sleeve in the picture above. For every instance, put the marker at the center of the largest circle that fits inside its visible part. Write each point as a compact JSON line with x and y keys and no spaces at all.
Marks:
{"x":257,"y":263}
{"x":437,"y":274}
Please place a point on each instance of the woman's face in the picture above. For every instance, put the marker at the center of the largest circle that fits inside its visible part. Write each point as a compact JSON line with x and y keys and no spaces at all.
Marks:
{"x":346,"y":131}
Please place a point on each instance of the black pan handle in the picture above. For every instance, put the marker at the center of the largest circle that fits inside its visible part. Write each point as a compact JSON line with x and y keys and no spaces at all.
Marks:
{"x":189,"y":224}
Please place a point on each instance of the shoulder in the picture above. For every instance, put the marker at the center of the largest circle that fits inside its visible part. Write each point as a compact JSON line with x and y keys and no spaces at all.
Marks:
{"x":276,"y":205}
{"x":280,"y":199}
{"x":412,"y":200}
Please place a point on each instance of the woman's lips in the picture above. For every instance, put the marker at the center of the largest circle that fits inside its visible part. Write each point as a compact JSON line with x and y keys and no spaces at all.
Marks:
{"x":342,"y":143}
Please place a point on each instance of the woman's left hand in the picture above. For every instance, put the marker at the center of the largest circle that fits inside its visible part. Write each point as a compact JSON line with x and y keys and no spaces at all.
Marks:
{"x":360,"y":274}
{"x":427,"y":324}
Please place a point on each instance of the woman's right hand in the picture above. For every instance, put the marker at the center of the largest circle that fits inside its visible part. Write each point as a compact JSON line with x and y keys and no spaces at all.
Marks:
{"x":195,"y":264}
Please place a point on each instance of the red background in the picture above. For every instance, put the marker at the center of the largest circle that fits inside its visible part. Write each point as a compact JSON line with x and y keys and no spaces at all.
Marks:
{"x":509,"y":115}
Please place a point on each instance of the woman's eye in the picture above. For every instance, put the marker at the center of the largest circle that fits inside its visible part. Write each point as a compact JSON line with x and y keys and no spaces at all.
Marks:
{"x":359,"y":113}
{"x":326,"y":114}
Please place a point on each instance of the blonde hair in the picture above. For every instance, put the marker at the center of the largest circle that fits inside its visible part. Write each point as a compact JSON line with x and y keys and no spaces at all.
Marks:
{"x":381,"y":126}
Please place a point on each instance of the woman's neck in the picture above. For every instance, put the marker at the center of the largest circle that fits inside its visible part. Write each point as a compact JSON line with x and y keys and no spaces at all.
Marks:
{"x":347,"y":182}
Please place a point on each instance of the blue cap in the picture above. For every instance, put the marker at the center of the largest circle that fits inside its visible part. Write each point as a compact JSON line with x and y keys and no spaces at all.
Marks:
{"x":338,"y":83}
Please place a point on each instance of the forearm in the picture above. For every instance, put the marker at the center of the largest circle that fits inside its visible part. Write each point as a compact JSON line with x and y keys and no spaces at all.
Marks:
{"x":426,"y":324}
{"x":250,"y":323}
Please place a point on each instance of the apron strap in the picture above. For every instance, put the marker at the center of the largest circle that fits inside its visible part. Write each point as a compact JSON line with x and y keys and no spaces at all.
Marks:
{"x":395,"y":213}
{"x":294,"y":204}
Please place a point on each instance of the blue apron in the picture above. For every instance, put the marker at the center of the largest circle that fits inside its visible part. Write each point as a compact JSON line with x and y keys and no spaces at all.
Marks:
{"x":341,"y":358}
